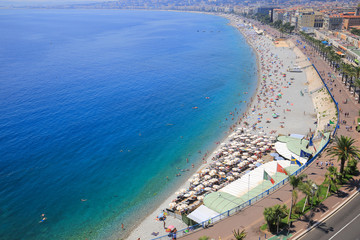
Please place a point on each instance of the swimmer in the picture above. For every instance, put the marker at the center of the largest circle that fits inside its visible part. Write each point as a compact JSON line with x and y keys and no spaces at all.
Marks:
{"x":83,"y":200}
{"x":43,"y":218}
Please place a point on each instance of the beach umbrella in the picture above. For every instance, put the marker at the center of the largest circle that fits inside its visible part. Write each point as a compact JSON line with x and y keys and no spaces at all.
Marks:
{"x":187,"y":195}
{"x":221,"y":168}
{"x":230,"y":178}
{"x":242,"y":164}
{"x":213,"y":180}
{"x":192,"y":192}
{"x":201,"y":197}
{"x":207,"y":189}
{"x":221,"y":173}
{"x":206,"y":183}
{"x":198,"y":188}
{"x":196,"y":182}
{"x":172,"y":204}
{"x":216,"y":187}
{"x":177,"y":193}
{"x":236,"y":174}
{"x":207,"y":177}
{"x":183,"y":190}
{"x":236,"y":169}
{"x":254,"y":157}
{"x":171,"y":227}
{"x":218,"y":164}
{"x":205,"y":170}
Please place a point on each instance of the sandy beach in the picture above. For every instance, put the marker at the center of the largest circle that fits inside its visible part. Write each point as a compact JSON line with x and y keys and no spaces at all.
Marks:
{"x":284,"y":103}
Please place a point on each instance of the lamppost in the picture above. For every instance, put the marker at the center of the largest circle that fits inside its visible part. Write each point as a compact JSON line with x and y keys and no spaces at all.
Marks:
{"x":313,"y":191}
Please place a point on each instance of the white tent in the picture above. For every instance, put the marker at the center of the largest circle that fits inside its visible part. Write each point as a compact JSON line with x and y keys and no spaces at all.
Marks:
{"x":202,"y":214}
{"x":282,"y":149}
{"x":241,"y":186}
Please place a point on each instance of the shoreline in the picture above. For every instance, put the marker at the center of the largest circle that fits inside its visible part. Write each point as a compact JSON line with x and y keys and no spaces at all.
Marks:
{"x":149,"y":220}
{"x":208,"y":159}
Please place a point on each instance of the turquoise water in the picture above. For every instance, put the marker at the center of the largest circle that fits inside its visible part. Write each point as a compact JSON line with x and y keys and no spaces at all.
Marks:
{"x":97,"y":107}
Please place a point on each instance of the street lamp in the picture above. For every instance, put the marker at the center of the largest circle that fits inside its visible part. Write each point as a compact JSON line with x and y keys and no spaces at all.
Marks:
{"x":313,"y":191}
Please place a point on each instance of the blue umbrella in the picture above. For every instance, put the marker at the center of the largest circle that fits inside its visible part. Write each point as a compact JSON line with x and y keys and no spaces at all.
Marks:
{"x":274,"y":154}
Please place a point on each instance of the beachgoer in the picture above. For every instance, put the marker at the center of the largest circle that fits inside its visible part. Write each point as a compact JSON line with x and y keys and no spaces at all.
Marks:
{"x":122,"y":226}
{"x":174,"y":234}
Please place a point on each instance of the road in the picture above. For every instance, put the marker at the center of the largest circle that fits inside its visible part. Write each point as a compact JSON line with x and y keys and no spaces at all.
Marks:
{"x":344,"y":225}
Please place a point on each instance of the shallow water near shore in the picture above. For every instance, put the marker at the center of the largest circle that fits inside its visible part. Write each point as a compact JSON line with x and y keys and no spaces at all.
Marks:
{"x":98,"y":107}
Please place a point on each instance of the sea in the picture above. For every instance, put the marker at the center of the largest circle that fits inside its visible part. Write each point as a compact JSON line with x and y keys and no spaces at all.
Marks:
{"x":101,"y":109}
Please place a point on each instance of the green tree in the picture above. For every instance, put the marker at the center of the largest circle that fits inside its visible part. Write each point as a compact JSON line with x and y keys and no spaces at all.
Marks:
{"x":294,"y":181}
{"x":273,"y":215}
{"x":309,"y":188}
{"x":239,"y":235}
{"x":343,"y":149}
{"x":357,"y":82}
{"x":332,"y":178}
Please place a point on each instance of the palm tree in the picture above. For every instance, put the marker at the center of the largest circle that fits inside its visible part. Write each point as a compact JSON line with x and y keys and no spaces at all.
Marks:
{"x":357,"y":82}
{"x":332,"y":177}
{"x":295,"y":181}
{"x":239,"y":235}
{"x":343,"y":68}
{"x":344,"y":150}
{"x":273,"y":215}
{"x":306,"y":189}
{"x":351,"y":74}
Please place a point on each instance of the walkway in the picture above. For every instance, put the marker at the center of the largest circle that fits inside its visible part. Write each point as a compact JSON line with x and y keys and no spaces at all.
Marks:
{"x":252,"y":217}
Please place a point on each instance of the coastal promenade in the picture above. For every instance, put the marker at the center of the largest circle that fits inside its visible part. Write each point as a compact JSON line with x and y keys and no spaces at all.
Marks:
{"x":252,"y":218}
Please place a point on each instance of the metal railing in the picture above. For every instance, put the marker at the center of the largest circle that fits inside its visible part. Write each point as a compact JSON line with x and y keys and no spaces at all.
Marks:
{"x":267,"y":192}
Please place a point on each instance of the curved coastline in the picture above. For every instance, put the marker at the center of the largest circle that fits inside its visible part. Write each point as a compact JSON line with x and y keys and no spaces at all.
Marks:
{"x":308,"y":110}
{"x":145,"y":225}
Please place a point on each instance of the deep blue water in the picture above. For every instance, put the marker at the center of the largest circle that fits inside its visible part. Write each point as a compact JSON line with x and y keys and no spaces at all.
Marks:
{"x":98,"y":105}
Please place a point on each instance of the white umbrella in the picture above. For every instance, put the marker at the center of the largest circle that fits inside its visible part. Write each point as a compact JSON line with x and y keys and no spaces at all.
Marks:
{"x":213,"y":180}
{"x":216,"y":187}
{"x":221,"y":173}
{"x":183,"y":190}
{"x":221,"y":168}
{"x":218,"y":164}
{"x":230,"y":178}
{"x":236,"y":174}
{"x":192,"y":192}
{"x":207,"y":189}
{"x":201,"y":197}
{"x":198,"y":188}
{"x":177,"y":193}
{"x":236,"y":169}
{"x":172,"y":204}
{"x":207,"y":177}
{"x":187,"y":195}
{"x":206,"y":183}
{"x":254,"y":157}
{"x":205,"y":170}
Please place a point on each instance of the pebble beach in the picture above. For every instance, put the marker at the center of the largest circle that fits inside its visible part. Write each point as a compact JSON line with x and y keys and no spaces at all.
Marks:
{"x":282,"y":105}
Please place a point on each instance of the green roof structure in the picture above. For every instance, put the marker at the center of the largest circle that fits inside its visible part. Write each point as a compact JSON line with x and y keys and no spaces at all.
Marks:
{"x":221,"y":202}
